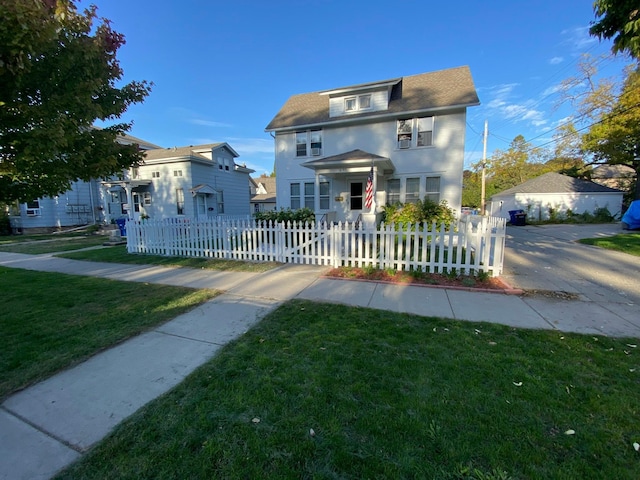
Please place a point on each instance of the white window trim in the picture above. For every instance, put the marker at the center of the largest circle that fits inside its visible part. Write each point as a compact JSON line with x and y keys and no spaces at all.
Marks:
{"x":412,"y":141}
{"x":309,"y":151}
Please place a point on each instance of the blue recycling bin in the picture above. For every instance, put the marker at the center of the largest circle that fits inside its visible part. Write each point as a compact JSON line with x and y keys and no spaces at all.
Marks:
{"x":518,"y":217}
{"x":122,"y":226}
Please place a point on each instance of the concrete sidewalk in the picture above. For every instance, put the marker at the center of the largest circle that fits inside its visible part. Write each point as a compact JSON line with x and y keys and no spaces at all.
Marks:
{"x":49,"y":425}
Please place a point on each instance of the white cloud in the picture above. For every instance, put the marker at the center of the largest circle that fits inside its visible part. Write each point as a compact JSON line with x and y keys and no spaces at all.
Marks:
{"x":209,"y":123}
{"x":556,"y":60}
{"x":578,"y":39}
{"x":553,"y":89}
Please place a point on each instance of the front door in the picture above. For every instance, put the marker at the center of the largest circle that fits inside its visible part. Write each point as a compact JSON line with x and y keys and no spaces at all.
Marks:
{"x":201,"y":206}
{"x":356,"y":199}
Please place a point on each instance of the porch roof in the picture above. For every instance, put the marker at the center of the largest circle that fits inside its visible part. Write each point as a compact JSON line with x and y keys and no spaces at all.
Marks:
{"x":203,"y":188}
{"x":127,"y":183}
{"x":355,"y":160}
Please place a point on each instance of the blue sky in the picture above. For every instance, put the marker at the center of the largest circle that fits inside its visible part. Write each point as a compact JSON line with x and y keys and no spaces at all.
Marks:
{"x":222,"y":70}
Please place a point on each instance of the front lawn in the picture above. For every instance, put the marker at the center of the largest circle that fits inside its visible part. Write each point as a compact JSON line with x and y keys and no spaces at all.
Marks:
{"x":50,"y":321}
{"x":624,"y":242}
{"x":329,"y":391}
{"x":118,"y":254}
{"x":40,"y":245}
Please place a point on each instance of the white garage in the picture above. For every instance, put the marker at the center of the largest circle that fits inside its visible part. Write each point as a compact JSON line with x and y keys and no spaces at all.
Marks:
{"x":553,"y":192}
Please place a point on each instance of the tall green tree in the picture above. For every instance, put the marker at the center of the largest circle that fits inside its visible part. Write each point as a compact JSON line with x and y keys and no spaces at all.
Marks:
{"x":520,"y":162}
{"x":59,"y":74}
{"x":615,"y":138}
{"x":567,"y":157}
{"x":620,"y":20}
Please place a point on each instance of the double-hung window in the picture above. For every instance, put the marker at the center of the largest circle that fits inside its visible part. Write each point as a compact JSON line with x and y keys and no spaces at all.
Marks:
{"x":295,"y":195}
{"x":415,"y":132}
{"x":425,"y":132}
{"x":324,"y":195}
{"x":301,"y":144}
{"x":309,"y":142}
{"x":405,"y":133}
{"x":309,"y":195}
{"x":432,"y":191}
{"x":412,"y":190}
{"x":393,"y":191}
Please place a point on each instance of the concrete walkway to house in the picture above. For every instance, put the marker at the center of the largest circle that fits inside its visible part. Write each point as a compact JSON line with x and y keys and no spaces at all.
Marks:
{"x":49,"y":425}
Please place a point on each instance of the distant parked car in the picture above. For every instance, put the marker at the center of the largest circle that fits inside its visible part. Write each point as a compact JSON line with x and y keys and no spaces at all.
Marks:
{"x":468,"y":211}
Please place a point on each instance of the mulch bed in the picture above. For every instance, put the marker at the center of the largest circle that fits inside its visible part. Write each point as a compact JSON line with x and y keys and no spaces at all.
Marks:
{"x":426,"y":279}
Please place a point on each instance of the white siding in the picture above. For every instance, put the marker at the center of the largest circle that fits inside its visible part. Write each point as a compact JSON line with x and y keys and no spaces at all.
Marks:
{"x":444,"y":159}
{"x":379,"y":102}
{"x":537,"y":205}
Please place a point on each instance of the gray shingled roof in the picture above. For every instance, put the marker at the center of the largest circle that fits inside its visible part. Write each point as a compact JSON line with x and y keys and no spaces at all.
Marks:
{"x":424,"y":92}
{"x":161,"y":153}
{"x":556,"y":183}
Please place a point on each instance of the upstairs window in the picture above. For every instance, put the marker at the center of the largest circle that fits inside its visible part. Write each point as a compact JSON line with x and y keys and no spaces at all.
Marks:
{"x":420,"y":129}
{"x":309,"y":142}
{"x":301,"y":144}
{"x":356,"y":103}
{"x":177,"y":173}
{"x":425,"y":132}
{"x":316,"y":142}
{"x":350,"y":104}
{"x":405,"y":132}
{"x":155,"y":174}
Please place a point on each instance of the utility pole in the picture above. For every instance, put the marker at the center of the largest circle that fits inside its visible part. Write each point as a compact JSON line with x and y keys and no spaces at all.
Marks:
{"x":484,"y":164}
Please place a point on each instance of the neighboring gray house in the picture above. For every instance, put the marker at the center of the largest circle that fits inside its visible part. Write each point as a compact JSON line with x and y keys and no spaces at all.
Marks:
{"x":410,"y":130}
{"x":81,"y":205}
{"x":557,"y":192}
{"x":263,"y":194}
{"x":196,"y":181}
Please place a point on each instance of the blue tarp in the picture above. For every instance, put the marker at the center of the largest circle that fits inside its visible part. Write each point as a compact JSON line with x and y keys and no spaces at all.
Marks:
{"x":631,"y":218}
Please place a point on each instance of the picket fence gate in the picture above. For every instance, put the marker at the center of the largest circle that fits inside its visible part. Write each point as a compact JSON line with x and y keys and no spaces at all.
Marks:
{"x":470,"y":246}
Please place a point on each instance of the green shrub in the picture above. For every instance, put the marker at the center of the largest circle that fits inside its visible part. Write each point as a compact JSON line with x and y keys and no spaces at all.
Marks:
{"x":423,"y":211}
{"x":5,"y":225}
{"x":304,"y":215}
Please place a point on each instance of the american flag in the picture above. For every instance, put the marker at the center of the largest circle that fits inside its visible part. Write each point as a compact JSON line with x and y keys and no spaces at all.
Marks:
{"x":369,"y":190}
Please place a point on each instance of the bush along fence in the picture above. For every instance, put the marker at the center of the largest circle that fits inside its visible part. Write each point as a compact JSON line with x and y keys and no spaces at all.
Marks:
{"x":466,"y":247}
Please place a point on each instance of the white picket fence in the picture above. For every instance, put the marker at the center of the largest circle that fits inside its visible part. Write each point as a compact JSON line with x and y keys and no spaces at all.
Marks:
{"x":470,"y":246}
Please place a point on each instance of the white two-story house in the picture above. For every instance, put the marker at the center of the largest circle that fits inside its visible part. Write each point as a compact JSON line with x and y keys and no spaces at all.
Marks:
{"x":410,"y":130}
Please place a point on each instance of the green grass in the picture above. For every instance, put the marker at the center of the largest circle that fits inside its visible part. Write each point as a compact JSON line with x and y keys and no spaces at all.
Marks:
{"x":388,"y":395}
{"x":118,"y":254}
{"x":51,"y":321}
{"x":625,"y":242}
{"x":39,"y":245}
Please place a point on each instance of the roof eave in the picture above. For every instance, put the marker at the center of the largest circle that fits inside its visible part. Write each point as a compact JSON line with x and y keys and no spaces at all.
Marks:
{"x":359,"y":119}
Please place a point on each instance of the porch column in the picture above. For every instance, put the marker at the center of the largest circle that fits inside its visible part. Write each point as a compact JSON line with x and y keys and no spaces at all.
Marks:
{"x":129,"y":191}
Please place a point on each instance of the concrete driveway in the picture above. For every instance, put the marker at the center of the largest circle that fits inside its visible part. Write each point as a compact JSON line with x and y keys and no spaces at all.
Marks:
{"x":549,"y":258}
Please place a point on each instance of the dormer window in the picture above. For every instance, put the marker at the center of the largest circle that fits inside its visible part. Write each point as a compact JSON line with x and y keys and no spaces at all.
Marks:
{"x":357,"y":103}
{"x":350,"y":104}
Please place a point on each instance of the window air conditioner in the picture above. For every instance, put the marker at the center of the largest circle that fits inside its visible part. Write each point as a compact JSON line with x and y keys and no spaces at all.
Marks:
{"x":405,"y":143}
{"x":315,"y":151}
